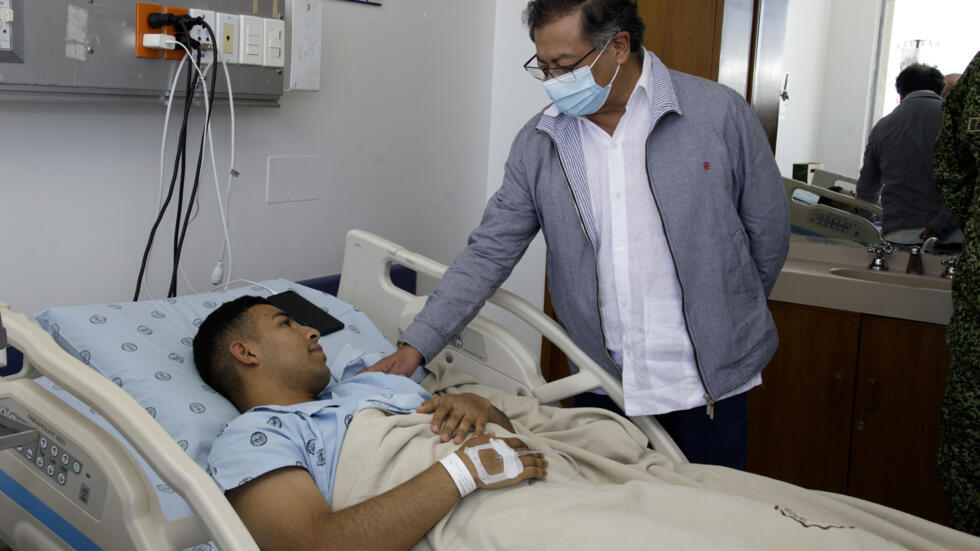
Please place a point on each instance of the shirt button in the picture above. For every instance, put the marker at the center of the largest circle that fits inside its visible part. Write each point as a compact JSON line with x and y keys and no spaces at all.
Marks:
{"x":618,"y":195}
{"x":615,"y":146}
{"x":619,"y":250}
{"x":628,"y":354}
{"x":623,"y":304}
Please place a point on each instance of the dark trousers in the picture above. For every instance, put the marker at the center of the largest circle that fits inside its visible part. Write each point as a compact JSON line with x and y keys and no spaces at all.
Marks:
{"x":719,"y":441}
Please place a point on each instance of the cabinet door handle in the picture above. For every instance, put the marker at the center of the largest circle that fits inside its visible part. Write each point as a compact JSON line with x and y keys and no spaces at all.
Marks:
{"x":871,"y":403}
{"x":837,"y":388}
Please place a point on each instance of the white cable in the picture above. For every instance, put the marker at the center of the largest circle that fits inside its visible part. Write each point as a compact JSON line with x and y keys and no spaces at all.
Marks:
{"x":231,"y":175}
{"x":225,"y":285}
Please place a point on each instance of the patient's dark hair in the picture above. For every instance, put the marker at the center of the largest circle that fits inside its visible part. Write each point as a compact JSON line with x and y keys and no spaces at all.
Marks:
{"x":214,"y":362}
{"x":601,"y":19}
{"x":917,"y":77}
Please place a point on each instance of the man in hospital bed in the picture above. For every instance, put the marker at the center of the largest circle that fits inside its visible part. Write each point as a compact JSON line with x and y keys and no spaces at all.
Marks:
{"x":355,"y":464}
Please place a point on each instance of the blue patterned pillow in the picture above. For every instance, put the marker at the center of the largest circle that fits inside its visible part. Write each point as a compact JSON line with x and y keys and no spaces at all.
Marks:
{"x":146,"y":348}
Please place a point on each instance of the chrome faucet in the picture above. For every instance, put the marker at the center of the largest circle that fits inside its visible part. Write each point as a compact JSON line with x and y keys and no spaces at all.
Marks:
{"x":915,"y":261}
{"x":928,"y":245}
{"x":950,"y":263}
{"x":878,"y":263}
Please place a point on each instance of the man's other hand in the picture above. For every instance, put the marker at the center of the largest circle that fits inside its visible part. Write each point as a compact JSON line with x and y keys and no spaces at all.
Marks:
{"x":459,"y":414}
{"x":535,"y":465}
{"x":403,"y":361}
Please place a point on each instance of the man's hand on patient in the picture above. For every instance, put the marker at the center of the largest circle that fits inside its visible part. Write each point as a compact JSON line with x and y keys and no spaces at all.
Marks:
{"x":403,"y":361}
{"x":461,"y":413}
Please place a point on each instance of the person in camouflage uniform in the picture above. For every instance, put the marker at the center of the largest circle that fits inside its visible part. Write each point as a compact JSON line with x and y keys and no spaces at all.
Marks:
{"x":957,"y":177}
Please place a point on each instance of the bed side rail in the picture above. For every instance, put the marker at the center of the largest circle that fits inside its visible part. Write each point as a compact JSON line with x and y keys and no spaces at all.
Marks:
{"x":146,"y":435}
{"x":364,"y":282}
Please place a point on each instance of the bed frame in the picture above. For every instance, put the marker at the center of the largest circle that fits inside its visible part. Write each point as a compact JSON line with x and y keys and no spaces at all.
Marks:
{"x":39,"y":512}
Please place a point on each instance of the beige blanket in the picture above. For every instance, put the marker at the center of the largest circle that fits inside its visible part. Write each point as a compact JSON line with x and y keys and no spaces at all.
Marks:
{"x":625,"y":497}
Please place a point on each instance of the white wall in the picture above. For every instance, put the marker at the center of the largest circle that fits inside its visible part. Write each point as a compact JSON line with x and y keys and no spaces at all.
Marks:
{"x":516,"y":97}
{"x":410,"y":122}
{"x":830,"y":55}
{"x":804,"y":58}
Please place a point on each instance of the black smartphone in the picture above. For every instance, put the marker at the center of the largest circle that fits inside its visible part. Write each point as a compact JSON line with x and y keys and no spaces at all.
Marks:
{"x":305,"y":312}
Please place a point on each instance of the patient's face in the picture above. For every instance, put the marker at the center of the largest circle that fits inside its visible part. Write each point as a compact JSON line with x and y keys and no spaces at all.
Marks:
{"x":290,"y":350}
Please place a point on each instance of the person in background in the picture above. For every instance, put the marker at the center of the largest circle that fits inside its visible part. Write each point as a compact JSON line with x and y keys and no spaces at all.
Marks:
{"x":897,"y":166}
{"x":957,"y":173}
{"x":666,"y":223}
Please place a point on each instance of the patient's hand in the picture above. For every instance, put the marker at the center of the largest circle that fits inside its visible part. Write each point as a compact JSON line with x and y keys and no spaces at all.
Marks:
{"x":403,"y":361}
{"x":460,"y":413}
{"x":535,"y":465}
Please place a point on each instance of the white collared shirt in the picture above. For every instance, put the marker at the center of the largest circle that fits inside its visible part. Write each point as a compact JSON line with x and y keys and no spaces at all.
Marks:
{"x":639,"y":293}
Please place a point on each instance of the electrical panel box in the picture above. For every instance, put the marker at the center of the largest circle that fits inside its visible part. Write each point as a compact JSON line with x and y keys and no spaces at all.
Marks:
{"x":6,"y":24}
{"x":11,"y":32}
{"x":92,"y":54}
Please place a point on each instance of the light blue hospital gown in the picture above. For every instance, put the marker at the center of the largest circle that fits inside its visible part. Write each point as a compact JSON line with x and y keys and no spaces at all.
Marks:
{"x":307,"y":435}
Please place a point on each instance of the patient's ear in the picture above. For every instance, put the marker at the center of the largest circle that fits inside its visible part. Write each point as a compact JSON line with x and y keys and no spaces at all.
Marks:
{"x":245,"y":351}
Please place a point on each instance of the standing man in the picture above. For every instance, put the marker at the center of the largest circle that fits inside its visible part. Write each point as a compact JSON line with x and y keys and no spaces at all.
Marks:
{"x":665,"y":220}
{"x":958,"y":182}
{"x":898,"y":162}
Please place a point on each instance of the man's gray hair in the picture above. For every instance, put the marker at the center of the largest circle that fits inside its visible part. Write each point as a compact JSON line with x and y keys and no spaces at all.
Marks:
{"x":601,"y":19}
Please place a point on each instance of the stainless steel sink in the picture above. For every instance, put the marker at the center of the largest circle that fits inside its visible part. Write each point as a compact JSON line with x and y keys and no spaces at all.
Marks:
{"x":892,"y":278}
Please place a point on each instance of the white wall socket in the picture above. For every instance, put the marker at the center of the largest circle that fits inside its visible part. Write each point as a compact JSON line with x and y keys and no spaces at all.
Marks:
{"x":250,"y":40}
{"x":199,"y":33}
{"x":274,"y":43}
{"x":227,"y":32}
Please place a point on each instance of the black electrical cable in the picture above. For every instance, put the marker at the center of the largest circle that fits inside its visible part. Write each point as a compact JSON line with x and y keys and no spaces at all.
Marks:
{"x":191,"y":88}
{"x":200,"y":158}
{"x":181,"y":147}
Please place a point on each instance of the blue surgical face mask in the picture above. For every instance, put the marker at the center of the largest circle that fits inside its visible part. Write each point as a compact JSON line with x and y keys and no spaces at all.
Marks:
{"x":577,"y":94}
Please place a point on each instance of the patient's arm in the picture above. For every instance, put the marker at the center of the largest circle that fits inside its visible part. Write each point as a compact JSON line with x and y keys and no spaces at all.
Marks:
{"x":284,"y":509}
{"x":460,"y":413}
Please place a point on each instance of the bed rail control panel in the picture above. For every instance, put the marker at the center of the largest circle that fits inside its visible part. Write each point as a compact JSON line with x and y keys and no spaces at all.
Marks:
{"x":58,"y":461}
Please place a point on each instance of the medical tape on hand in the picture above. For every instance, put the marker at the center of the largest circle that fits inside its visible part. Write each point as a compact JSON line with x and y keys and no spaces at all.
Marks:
{"x":459,"y":473}
{"x":512,"y":465}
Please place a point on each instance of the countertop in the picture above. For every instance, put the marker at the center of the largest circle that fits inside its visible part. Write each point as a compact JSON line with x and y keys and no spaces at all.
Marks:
{"x":806,"y":278}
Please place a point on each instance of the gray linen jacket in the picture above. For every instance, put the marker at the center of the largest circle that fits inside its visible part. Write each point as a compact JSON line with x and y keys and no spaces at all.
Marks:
{"x":725,"y":216}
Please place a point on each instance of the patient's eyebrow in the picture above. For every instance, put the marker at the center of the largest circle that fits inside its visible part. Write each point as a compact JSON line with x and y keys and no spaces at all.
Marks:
{"x":280,"y":313}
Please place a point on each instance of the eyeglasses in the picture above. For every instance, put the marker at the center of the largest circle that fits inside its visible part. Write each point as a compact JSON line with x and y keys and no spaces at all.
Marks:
{"x":545,"y":73}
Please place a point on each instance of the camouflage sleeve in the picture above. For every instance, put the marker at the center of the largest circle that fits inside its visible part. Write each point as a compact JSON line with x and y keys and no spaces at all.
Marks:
{"x":955,"y":168}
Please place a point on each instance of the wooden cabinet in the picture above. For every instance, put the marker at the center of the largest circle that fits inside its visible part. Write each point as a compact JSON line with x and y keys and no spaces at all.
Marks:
{"x":850,"y":404}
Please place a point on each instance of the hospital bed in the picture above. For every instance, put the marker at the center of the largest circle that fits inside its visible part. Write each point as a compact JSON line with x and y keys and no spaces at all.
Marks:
{"x":86,"y":465}
{"x":808,"y":216}
{"x":827,"y":179}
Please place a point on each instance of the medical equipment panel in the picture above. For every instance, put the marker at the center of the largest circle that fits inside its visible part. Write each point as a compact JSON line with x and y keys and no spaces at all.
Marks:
{"x":63,"y":464}
{"x":61,"y":481}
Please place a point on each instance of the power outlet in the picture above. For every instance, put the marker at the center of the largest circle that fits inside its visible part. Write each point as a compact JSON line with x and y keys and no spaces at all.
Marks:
{"x":227,"y":32}
{"x":274,"y":33}
{"x":250,"y":40}
{"x":199,"y":33}
{"x":177,"y":53}
{"x":142,"y":27}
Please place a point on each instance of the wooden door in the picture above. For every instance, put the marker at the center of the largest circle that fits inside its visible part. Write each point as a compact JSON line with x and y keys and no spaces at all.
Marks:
{"x":900,"y":386}
{"x":685,"y":35}
{"x":799,"y":419}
